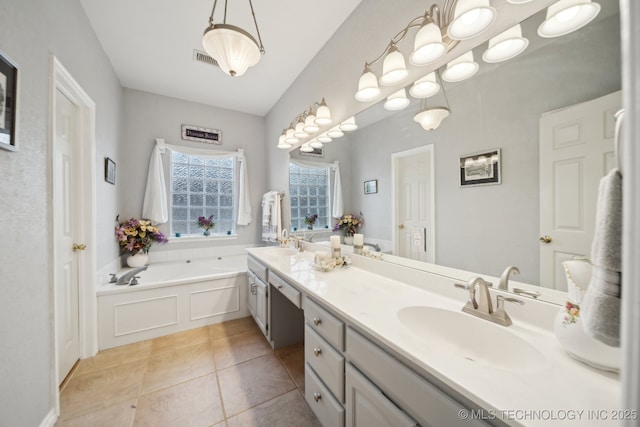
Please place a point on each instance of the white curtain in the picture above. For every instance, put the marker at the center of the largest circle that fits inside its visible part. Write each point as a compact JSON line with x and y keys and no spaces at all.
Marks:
{"x":155,"y":205}
{"x":337,"y":202}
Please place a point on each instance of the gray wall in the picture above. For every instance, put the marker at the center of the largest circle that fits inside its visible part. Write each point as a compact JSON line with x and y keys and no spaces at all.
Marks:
{"x":486,"y":228}
{"x":149,"y":116}
{"x":30,"y":31}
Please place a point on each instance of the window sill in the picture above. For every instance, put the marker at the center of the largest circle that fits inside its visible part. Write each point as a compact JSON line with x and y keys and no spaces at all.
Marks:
{"x":196,"y":238}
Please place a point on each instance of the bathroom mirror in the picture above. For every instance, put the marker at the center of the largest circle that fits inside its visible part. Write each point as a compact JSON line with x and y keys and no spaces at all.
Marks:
{"x":482,"y":228}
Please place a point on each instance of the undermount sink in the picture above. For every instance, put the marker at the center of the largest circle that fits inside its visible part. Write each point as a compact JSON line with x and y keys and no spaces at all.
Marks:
{"x":472,"y":338}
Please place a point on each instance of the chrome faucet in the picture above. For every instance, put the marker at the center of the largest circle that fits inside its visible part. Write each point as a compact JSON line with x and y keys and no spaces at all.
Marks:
{"x":297,"y":242}
{"x":504,"y":279}
{"x":482,"y":307}
{"x":129,"y":278}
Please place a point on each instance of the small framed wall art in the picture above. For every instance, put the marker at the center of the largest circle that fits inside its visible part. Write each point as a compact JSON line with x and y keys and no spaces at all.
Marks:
{"x":371,"y":186}
{"x":109,"y":171}
{"x":317,"y":152}
{"x":200,"y":134}
{"x":481,"y":168}
{"x":8,"y":102}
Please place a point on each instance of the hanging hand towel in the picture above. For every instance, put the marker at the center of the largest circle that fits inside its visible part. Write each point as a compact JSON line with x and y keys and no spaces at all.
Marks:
{"x":601,"y":307}
{"x":155,"y":196}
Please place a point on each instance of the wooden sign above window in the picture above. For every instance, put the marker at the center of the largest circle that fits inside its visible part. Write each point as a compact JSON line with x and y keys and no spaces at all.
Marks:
{"x":198,"y":134}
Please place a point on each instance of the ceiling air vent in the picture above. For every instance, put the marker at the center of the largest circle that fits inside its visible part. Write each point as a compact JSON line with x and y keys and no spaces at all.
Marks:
{"x":200,"y":56}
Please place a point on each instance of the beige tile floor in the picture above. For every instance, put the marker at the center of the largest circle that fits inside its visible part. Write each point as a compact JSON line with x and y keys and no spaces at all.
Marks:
{"x":220,"y":375}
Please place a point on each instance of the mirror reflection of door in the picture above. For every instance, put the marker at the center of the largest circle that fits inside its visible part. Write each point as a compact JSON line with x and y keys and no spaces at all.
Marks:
{"x":576,"y":151}
{"x":413,"y":198}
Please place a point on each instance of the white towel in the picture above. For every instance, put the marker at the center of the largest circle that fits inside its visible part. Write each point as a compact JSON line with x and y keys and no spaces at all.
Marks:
{"x":601,"y":308}
{"x":244,"y":196}
{"x":154,"y":206}
{"x":272,"y":227}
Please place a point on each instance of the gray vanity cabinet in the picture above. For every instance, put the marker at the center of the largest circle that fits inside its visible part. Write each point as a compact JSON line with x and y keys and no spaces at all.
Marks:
{"x":257,"y":295}
{"x":367,"y":406}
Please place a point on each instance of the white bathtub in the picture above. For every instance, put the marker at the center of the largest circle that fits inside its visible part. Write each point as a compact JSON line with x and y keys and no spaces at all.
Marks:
{"x":172,"y":297}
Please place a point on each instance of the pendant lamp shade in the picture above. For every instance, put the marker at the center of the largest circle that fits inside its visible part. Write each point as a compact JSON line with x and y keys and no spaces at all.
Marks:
{"x":282,"y":143}
{"x":431,"y":118}
{"x":368,"y":89}
{"x":566,"y":16}
{"x":427,"y":45}
{"x":394,"y":69}
{"x":397,"y":101}
{"x":324,"y":138}
{"x":315,"y":143}
{"x":506,"y":45}
{"x":323,"y":114}
{"x":310,"y":125}
{"x":234,"y":49}
{"x":290,"y":137}
{"x":349,"y":125}
{"x":335,"y":132}
{"x":425,"y":87}
{"x":460,"y":68}
{"x":299,"y":130}
{"x":471,"y":17}
{"x":306,"y":148}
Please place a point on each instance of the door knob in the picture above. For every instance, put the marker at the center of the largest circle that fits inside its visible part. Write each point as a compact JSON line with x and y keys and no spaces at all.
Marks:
{"x":545,"y":239}
{"x":401,"y":226}
{"x":79,"y":247}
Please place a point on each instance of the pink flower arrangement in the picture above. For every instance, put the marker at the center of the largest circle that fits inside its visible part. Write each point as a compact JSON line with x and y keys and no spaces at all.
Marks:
{"x":206,"y":223}
{"x":349,"y":224}
{"x":137,"y":235}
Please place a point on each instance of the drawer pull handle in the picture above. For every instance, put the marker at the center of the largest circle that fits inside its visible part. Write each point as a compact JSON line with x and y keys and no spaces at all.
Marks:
{"x":316,"y":321}
{"x":317,"y":396}
{"x":317,"y":351}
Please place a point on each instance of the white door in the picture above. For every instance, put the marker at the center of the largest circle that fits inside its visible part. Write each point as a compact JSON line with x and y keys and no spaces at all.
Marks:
{"x":576,"y":151}
{"x":414,"y":204}
{"x":65,"y":207}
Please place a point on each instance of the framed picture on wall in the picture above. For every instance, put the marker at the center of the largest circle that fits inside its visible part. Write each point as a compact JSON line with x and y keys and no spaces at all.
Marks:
{"x":109,"y":171}
{"x":317,"y":152}
{"x":371,"y":186}
{"x":482,"y":168}
{"x":8,"y":102}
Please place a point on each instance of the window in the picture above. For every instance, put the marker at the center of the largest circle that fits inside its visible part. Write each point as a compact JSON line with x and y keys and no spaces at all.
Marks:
{"x":201,"y":187}
{"x":309,"y":189}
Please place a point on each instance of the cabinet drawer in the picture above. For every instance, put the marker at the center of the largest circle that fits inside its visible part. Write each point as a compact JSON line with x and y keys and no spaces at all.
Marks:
{"x":285,"y":288}
{"x":329,"y":412}
{"x":424,"y":401}
{"x":325,"y":361}
{"x":257,"y":268}
{"x":325,"y":323}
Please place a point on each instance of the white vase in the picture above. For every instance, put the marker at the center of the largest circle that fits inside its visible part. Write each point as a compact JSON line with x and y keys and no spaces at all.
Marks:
{"x":348,"y":240}
{"x":138,"y":260}
{"x":568,"y":323}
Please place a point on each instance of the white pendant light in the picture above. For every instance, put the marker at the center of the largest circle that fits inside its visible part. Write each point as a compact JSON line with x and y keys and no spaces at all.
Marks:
{"x":335,"y":132}
{"x":290,"y":137}
{"x":282,"y":143}
{"x":506,"y":45}
{"x":299,"y":130}
{"x":394,"y":69}
{"x":323,"y":114}
{"x":431,"y":118}
{"x":310,"y":125}
{"x":425,"y":87}
{"x":460,"y":68}
{"x":397,"y":101}
{"x":233,"y":48}
{"x":306,"y":148}
{"x":566,"y":16}
{"x":471,"y":17}
{"x":348,"y":125}
{"x":324,"y":138}
{"x":427,"y":45}
{"x":368,"y":89}
{"x":315,"y":143}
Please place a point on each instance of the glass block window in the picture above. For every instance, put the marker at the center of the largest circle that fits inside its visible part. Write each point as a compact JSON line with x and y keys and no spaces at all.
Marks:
{"x":201,"y":187}
{"x":309,"y":190}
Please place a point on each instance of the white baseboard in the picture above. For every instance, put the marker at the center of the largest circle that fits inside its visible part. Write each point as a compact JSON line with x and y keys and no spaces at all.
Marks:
{"x":50,"y":419}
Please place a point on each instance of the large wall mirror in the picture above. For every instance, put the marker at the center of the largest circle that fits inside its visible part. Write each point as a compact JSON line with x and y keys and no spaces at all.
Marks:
{"x":478,"y":228}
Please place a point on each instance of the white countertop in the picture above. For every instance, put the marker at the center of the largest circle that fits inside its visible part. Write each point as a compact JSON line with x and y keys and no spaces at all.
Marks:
{"x":561,"y":392}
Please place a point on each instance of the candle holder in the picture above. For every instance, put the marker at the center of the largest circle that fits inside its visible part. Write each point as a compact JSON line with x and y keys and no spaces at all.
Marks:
{"x":335,"y":253}
{"x":357,"y":249}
